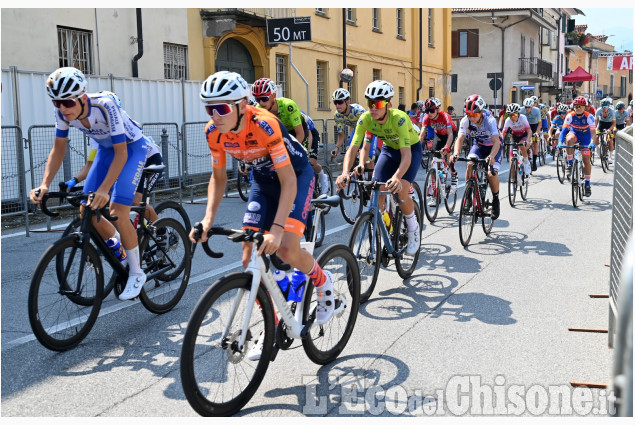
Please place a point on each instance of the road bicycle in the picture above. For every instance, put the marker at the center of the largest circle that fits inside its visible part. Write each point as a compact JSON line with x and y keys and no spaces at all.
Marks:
{"x":244,"y":179}
{"x":603,"y":150}
{"x":437,"y":187}
{"x":542,"y":149}
{"x":354,"y":197}
{"x":67,"y":287}
{"x":476,"y":202}
{"x":517,"y":176}
{"x":561,"y":164}
{"x":315,"y":229}
{"x":319,"y":190}
{"x":577,"y":173}
{"x":217,"y":377}
{"x":376,"y":239}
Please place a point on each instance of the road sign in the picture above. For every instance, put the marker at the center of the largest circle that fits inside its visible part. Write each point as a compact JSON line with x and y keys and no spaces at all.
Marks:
{"x":598,"y":94}
{"x":495,"y":84}
{"x":519,"y":83}
{"x":289,"y":30}
{"x":494,"y":75}
{"x":527,"y":88}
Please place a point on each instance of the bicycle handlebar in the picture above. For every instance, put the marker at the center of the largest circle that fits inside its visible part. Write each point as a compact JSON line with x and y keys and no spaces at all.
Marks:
{"x":74,"y":199}
{"x":237,"y":236}
{"x":375,"y":186}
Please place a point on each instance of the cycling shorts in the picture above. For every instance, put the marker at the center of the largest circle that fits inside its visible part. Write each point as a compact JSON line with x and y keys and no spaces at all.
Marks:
{"x":604,"y":125}
{"x":534,"y":128}
{"x":123,"y":191}
{"x":263,"y":204}
{"x":620,"y":126}
{"x":583,"y":138}
{"x":520,"y":139}
{"x":441,"y":141}
{"x":155,"y":159}
{"x":545,"y":125}
{"x":482,"y":152}
{"x":389,"y":160}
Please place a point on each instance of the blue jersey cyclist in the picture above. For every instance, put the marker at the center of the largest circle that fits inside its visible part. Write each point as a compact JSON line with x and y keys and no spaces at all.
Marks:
{"x":605,"y":120}
{"x":346,"y":115}
{"x":622,"y":116}
{"x":557,"y":122}
{"x":535,"y":122}
{"x":480,"y":125}
{"x":121,"y":155}
{"x":579,"y":126}
{"x":401,"y":153}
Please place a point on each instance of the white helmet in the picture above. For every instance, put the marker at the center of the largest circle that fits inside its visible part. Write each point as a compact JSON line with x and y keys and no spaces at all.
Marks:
{"x":379,"y":90}
{"x":224,"y":85}
{"x":563,"y":108}
{"x":66,"y":83}
{"x":528,"y":102}
{"x":341,"y":94}
{"x":420,"y":104}
{"x":513,"y":108}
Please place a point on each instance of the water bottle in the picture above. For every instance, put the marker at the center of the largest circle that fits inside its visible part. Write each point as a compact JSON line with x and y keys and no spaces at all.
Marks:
{"x":442,"y":182}
{"x":298,"y":280}
{"x":283,"y":282}
{"x":386,"y":218}
{"x":134,"y":218}
{"x":117,"y":249}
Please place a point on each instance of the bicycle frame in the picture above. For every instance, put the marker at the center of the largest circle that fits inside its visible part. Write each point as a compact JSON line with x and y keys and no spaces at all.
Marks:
{"x":438,"y":163}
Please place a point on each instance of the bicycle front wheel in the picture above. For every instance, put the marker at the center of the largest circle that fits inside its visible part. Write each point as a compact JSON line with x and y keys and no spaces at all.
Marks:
{"x":217,"y":377}
{"x":63,"y":306}
{"x":512,"y":181}
{"x":366,"y":251}
{"x":330,"y":190}
{"x":467,"y":214}
{"x":352,"y":197}
{"x":324,"y":343}
{"x":561,"y":165}
{"x":486,"y":218}
{"x":404,"y":263}
{"x":170,"y":261}
{"x":417,"y":197}
{"x":604,"y":156}
{"x":432,"y":199}
{"x":575,"y":185}
{"x":176,"y":211}
{"x":321,"y":231}
{"x":524,"y":185}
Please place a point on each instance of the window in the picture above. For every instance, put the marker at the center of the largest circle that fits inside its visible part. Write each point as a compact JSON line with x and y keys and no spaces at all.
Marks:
{"x":465,"y":43}
{"x":352,"y":86}
{"x":454,"y":83}
{"x":430,"y":32}
{"x":174,"y":61}
{"x":376,"y":20}
{"x":281,"y":75}
{"x":350,"y":16}
{"x":522,"y":45}
{"x":322,"y":73}
{"x":623,"y":86}
{"x":321,"y":11}
{"x":531,"y":48}
{"x":402,"y":95}
{"x":400,"y":21}
{"x":611,"y":84}
{"x":431,"y":91}
{"x":75,"y":48}
{"x":376,"y":74}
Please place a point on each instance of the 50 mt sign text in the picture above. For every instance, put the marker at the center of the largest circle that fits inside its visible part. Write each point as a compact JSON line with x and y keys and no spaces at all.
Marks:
{"x":288,"y":30}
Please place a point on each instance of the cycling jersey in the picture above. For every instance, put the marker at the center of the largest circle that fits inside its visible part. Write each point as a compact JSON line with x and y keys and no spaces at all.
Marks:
{"x":288,"y":113}
{"x":610,"y":115}
{"x":621,"y":117}
{"x":581,"y":126}
{"x":533,"y":117}
{"x":557,"y":122}
{"x":313,"y":149}
{"x":518,"y":128}
{"x":441,"y":124}
{"x":397,"y":132}
{"x":265,"y":144}
{"x":109,"y":123}
{"x":543,"y":112}
{"x":481,"y":135}
{"x":350,"y":119}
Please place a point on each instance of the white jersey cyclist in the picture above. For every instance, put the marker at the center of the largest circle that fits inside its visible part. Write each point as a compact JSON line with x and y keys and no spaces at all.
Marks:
{"x":482,"y":134}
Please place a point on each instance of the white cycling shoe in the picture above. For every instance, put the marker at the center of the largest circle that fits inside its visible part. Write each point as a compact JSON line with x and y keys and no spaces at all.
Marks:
{"x":134,"y":285}
{"x":324,"y":183}
{"x":325,"y":300}
{"x":414,"y":242}
{"x":255,"y":352}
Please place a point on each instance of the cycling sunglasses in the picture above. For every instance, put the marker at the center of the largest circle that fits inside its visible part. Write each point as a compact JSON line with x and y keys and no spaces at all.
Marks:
{"x":473,"y":114}
{"x":67,"y":103}
{"x":430,"y":111}
{"x":578,"y":106}
{"x":262,"y":99}
{"x":513,"y":115}
{"x":377,"y":104}
{"x":339,"y":102}
{"x":221,"y":109}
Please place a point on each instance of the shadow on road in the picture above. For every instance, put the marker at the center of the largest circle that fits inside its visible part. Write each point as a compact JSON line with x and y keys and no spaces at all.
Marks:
{"x":498,"y":243}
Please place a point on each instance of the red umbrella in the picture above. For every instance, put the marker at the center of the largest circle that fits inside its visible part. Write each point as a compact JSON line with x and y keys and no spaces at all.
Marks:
{"x":578,"y":75}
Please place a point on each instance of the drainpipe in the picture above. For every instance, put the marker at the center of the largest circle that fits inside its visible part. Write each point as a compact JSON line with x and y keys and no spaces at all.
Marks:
{"x":135,"y":69}
{"x":503,"y":52}
{"x":343,"y":43}
{"x":420,"y":52}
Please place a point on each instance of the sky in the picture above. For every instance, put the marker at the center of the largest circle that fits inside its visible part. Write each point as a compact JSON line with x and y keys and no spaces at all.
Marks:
{"x":618,"y":23}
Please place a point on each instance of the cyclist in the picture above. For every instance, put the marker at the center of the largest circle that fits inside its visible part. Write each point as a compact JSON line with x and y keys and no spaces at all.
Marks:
{"x":521,"y":132}
{"x":622,"y":116}
{"x":579,"y":126}
{"x":120,"y":157}
{"x":589,"y":106}
{"x":400,"y":156}
{"x":314,"y":143}
{"x":443,"y":126}
{"x":280,"y":195}
{"x":418,"y":113}
{"x":533,"y":117}
{"x":480,"y":126}
{"x":605,"y":120}
{"x":545,"y":120}
{"x":154,"y":158}
{"x":556,"y":124}
{"x":346,"y":114}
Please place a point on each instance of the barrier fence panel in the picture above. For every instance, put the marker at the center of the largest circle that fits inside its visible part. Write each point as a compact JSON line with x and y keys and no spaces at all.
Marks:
{"x":14,"y":197}
{"x":622,"y":218}
{"x":197,"y":160}
{"x":166,"y":137}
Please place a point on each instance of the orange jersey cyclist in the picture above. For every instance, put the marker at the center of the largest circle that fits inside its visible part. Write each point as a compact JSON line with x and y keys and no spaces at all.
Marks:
{"x":282,"y":189}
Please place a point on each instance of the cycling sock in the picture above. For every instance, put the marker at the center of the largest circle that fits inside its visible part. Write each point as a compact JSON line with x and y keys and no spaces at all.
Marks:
{"x":495,"y":194}
{"x":116,"y":235}
{"x":587,"y":179}
{"x":317,"y":275}
{"x":133,"y":260}
{"x":411,"y":221}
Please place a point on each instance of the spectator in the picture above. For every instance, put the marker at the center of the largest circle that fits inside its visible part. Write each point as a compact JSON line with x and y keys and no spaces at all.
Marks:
{"x":402,"y":107}
{"x":451,"y":111}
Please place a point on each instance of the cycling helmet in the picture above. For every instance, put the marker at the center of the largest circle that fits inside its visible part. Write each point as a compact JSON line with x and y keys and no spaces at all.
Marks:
{"x":513,"y":108}
{"x":379,"y":90}
{"x":543,"y":107}
{"x":66,"y":83}
{"x":528,"y":102}
{"x":252,"y":101}
{"x":620,"y":105}
{"x":224,"y":85}
{"x":563,"y":109}
{"x":534,"y":99}
{"x":474,"y":103}
{"x":605,"y":103}
{"x":580,"y":100}
{"x":433,"y":103}
{"x":263,"y":87}
{"x":340,"y":94}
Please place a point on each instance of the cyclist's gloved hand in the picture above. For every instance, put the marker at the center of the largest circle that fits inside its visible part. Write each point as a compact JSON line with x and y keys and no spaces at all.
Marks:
{"x":592,"y":145}
{"x":70,"y":184}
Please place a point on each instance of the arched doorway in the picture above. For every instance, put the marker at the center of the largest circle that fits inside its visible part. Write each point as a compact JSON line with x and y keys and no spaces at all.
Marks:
{"x":233,"y":56}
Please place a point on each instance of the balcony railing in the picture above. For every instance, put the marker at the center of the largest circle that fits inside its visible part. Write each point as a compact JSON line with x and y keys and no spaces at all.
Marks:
{"x":262,"y":12}
{"x":537,"y":67}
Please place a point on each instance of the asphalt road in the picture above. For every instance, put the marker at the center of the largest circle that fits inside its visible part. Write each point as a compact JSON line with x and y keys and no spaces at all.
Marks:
{"x":472,"y":325}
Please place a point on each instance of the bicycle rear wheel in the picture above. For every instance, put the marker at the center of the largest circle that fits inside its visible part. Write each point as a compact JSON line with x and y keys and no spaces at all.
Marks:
{"x":604,"y":156}
{"x":324,"y":343}
{"x":217,"y":377}
{"x":512,"y":182}
{"x":432,"y":199}
{"x":561,"y":165}
{"x":366,"y":252}
{"x":467,"y":214}
{"x":176,"y":211}
{"x":352,"y":197}
{"x":417,"y":197}
{"x":405,"y":264}
{"x":330,"y":191}
{"x":486,"y":218}
{"x":321,"y":231}
{"x":524,"y":185}
{"x":575,"y":185}
{"x":243,"y":184}
{"x":57,"y":317}
{"x":161,"y":294}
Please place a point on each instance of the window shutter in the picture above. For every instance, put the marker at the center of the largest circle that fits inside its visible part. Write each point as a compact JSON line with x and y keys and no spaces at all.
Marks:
{"x":455,"y":44}
{"x":472,"y":43}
